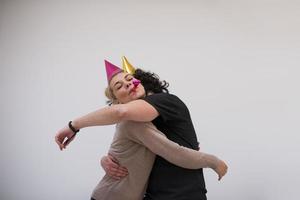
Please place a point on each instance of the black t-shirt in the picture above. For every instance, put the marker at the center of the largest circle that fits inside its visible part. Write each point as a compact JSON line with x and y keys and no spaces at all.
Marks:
{"x":168,"y":181}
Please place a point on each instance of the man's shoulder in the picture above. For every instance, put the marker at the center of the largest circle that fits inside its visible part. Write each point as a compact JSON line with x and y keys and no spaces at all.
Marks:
{"x":164,"y":99}
{"x":163,"y":95}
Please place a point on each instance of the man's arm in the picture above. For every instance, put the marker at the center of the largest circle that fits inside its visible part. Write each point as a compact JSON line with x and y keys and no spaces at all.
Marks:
{"x":137,"y":110}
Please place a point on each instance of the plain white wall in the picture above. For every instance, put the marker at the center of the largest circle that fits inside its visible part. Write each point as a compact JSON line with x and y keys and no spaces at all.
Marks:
{"x":234,"y":63}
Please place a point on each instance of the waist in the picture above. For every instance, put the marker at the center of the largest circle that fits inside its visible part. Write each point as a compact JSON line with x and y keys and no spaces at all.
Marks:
{"x":169,"y":181}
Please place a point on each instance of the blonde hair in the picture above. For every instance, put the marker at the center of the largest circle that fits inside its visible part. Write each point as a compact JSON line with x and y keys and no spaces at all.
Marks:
{"x":110,"y":95}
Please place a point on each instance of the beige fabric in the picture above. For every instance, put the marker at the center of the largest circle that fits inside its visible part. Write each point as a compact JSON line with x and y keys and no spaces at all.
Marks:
{"x":134,"y":146}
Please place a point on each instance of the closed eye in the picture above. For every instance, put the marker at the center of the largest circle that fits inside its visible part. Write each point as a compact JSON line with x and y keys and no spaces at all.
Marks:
{"x":118,"y":86}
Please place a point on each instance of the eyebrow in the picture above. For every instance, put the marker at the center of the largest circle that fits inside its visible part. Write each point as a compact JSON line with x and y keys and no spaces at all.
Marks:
{"x":127,"y":76}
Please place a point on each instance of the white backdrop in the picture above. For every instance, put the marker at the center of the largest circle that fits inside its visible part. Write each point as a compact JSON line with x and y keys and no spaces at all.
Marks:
{"x":234,"y":63}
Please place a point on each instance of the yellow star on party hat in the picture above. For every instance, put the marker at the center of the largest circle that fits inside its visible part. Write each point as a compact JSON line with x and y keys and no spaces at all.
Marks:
{"x":127,"y":67}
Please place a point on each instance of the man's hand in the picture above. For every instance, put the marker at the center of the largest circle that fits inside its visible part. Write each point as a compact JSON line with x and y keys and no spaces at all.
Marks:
{"x":64,"y":137}
{"x":112,"y":167}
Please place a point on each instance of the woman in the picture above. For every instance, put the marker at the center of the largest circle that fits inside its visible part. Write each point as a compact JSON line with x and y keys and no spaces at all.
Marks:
{"x":125,"y":92}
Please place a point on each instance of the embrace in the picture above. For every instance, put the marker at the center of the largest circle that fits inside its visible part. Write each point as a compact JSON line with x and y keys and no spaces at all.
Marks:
{"x":154,"y":154}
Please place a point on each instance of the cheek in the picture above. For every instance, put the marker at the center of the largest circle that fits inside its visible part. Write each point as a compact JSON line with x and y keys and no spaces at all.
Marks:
{"x":139,"y":94}
{"x":143,"y":93}
{"x":142,"y":89}
{"x":121,"y":94}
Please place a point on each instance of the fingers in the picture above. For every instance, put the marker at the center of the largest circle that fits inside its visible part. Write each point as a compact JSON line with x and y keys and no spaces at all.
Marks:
{"x":220,"y":177}
{"x":221,"y":174}
{"x":113,"y":159}
{"x":120,"y":170}
{"x":117,"y":173}
{"x":222,"y":170}
{"x":69,"y":140}
{"x":113,"y":168}
{"x":62,"y":135}
{"x":59,"y":142}
{"x":116,"y":169}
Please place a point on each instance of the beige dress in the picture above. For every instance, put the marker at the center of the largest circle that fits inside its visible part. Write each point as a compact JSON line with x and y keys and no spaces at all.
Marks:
{"x":135,"y":145}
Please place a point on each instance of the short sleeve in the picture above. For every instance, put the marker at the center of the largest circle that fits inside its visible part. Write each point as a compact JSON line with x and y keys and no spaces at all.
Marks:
{"x":167,"y":105}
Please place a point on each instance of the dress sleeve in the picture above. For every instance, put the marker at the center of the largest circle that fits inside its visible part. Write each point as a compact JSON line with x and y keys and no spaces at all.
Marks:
{"x":148,"y":135}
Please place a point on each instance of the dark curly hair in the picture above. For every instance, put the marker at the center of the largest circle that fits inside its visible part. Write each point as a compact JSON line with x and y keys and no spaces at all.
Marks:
{"x":151,"y":82}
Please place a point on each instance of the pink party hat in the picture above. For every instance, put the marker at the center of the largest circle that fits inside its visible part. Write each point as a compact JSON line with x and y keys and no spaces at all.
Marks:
{"x":111,"y":70}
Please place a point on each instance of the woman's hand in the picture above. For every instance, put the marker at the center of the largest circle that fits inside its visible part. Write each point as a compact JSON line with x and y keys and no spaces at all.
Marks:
{"x":64,"y":137}
{"x":112,"y":167}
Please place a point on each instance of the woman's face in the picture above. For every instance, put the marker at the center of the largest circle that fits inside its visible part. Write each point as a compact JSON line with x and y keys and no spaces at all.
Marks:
{"x":123,"y":88}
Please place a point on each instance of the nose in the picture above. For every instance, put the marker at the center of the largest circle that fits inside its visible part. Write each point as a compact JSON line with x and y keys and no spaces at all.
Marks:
{"x":128,"y":84}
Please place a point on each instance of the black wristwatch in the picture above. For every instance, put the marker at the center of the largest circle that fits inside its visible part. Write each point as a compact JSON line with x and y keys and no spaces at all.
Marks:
{"x":72,"y":128}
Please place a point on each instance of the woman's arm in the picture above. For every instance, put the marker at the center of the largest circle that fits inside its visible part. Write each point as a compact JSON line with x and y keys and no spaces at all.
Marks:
{"x":147,"y":135}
